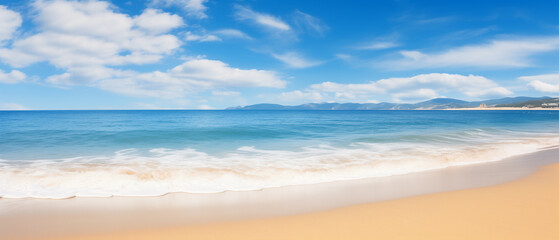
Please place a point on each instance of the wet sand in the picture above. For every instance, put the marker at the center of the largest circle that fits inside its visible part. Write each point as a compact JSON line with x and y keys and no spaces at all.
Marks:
{"x":427,"y":204}
{"x":523,"y":209}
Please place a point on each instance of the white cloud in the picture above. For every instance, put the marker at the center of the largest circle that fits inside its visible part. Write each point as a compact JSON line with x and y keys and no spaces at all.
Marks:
{"x":9,"y":22}
{"x":220,"y":73}
{"x":192,"y":76}
{"x":89,"y":40}
{"x":225,"y":93}
{"x":497,"y":53}
{"x":348,"y":88}
{"x":297,"y":96}
{"x":217,"y":35}
{"x":84,"y":75}
{"x":265,"y":20}
{"x":88,"y":18}
{"x":488,"y":92}
{"x":68,"y":50}
{"x":419,"y":87}
{"x":232,"y":33}
{"x":309,"y":23}
{"x":378,"y":45}
{"x":205,"y":107}
{"x":468,"y":85}
{"x":155,"y":21}
{"x":202,"y":37}
{"x":193,"y":8}
{"x":296,"y":60}
{"x":544,"y":83}
{"x":12,"y":106}
{"x":90,"y":34}
{"x":12,"y":77}
{"x":415,"y":95}
{"x":154,"y":84}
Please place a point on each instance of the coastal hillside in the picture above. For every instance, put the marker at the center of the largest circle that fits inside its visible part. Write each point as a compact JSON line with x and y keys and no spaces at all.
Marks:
{"x":539,"y":103}
{"x":433,"y":104}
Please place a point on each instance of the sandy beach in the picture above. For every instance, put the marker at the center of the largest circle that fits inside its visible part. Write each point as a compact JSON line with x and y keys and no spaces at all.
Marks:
{"x":523,"y":209}
{"x":257,"y":120}
{"x":510,"y":199}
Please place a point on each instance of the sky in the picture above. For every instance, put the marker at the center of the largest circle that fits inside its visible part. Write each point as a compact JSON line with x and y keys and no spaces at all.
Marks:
{"x":210,"y":54}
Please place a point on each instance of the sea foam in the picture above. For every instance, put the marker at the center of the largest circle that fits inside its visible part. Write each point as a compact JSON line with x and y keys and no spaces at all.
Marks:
{"x":131,"y":172}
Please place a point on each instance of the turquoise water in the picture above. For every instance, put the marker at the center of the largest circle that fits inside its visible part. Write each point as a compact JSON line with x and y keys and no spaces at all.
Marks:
{"x":59,"y":154}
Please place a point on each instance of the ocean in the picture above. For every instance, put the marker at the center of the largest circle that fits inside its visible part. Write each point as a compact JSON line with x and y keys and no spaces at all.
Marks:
{"x":63,"y":154}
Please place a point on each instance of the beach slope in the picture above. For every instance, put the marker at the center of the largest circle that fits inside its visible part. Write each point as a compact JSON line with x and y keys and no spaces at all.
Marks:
{"x":522,"y":209}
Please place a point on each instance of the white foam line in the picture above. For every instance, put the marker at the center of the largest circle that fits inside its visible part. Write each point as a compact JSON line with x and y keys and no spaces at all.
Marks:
{"x":128,"y":173}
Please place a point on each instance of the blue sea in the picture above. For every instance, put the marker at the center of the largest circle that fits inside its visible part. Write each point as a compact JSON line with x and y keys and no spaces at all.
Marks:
{"x":62,"y":154}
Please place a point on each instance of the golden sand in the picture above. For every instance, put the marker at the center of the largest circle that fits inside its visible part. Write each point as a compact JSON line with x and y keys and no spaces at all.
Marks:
{"x":523,"y":209}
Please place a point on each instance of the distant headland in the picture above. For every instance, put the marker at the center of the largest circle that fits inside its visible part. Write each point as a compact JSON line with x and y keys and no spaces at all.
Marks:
{"x":509,"y":103}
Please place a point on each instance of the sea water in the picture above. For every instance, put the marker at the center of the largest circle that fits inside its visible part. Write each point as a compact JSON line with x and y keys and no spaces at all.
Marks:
{"x":62,"y":154}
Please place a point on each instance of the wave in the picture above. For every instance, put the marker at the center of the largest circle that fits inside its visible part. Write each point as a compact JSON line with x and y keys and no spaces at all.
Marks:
{"x":132,"y":172}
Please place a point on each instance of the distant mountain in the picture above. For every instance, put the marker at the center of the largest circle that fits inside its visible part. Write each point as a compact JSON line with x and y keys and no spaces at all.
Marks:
{"x":509,"y":100}
{"x":440,"y":103}
{"x":547,"y":102}
{"x":262,"y":106}
{"x":433,"y":104}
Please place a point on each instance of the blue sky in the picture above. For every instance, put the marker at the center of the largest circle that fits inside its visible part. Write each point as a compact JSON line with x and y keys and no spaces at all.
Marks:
{"x":209,"y":54}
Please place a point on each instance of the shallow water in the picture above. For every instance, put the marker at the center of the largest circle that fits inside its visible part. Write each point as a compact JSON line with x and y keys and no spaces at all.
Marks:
{"x":60,"y":154}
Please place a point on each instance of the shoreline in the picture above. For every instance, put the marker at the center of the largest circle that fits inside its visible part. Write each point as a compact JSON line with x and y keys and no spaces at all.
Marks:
{"x":522,"y":209}
{"x":49,"y":218}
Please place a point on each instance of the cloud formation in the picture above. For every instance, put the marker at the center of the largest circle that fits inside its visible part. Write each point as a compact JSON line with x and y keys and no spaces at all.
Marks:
{"x":76,"y":35}
{"x":190,"y":77}
{"x":204,"y":37}
{"x":296,"y":60}
{"x":12,"y":77}
{"x":309,"y":23}
{"x":297,"y":96}
{"x":193,"y":8}
{"x":416,"y":88}
{"x":90,"y":41}
{"x":225,"y":93}
{"x":497,"y":53}
{"x":548,"y":83}
{"x":232,"y":33}
{"x":9,"y":22}
{"x":156,"y":22}
{"x":265,"y":20}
